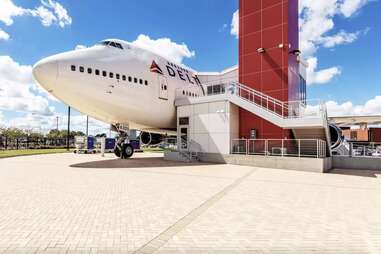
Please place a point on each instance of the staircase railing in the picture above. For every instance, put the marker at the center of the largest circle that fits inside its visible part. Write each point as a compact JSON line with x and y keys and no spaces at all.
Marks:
{"x":290,"y":109}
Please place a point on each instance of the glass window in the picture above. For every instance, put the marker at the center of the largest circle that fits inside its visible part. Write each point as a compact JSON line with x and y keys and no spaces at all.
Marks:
{"x":111,"y":75}
{"x":112,"y":44}
{"x":73,"y":68}
{"x":117,"y":76}
{"x":184,"y":121}
{"x":81,"y":69}
{"x":141,"y":81}
{"x":89,"y":70}
{"x":118,"y":45}
{"x":130,"y":79}
{"x":124,"y":77}
{"x":135,"y":80}
{"x":97,"y":72}
{"x":104,"y":73}
{"x":146,"y":82}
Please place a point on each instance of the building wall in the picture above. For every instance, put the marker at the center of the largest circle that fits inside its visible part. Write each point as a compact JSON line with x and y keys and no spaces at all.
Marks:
{"x":212,"y":126}
{"x":268,"y":24}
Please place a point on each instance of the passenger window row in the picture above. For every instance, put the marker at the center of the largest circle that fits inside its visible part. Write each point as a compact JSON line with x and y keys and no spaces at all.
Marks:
{"x":111,"y":75}
{"x":190,"y":94}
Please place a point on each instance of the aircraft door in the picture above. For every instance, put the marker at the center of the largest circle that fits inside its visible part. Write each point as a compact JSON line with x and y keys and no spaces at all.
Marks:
{"x":163,"y":88}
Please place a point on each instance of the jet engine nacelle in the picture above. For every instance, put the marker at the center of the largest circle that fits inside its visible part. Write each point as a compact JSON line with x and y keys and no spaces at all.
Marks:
{"x":147,"y":138}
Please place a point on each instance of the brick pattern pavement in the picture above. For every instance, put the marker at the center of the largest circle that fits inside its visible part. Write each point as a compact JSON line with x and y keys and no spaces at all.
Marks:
{"x":81,"y":204}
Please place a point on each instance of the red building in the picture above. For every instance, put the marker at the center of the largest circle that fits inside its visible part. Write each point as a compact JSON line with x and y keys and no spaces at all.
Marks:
{"x":268,"y":59}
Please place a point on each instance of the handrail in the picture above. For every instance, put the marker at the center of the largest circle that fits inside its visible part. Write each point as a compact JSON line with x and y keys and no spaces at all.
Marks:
{"x":315,"y":148}
{"x":287,"y":110}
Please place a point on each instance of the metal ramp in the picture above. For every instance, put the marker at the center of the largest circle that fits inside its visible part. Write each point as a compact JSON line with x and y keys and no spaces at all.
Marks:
{"x":306,"y":120}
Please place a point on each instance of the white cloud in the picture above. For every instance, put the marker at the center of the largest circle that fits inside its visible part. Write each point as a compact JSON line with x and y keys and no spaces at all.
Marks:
{"x":3,"y":35}
{"x":80,"y":47}
{"x":371,"y":107}
{"x":50,"y":12}
{"x":9,"y":10}
{"x":234,"y":30}
{"x":46,"y":16}
{"x":61,"y":13}
{"x":18,"y":90}
{"x":316,"y":21}
{"x":349,"y":7}
{"x":165,"y":47}
{"x":315,"y":76}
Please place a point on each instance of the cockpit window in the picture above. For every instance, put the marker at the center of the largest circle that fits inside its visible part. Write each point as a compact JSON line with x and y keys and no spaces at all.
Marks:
{"x":111,"y":44}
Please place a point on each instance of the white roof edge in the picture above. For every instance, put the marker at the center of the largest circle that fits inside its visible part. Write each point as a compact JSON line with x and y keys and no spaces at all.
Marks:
{"x":219,"y":73}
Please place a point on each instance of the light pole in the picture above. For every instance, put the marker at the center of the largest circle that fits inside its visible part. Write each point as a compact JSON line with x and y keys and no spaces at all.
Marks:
{"x":68,"y":129}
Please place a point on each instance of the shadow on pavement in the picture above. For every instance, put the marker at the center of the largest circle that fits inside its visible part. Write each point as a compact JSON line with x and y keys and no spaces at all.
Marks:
{"x":136,"y":163}
{"x":356,"y":172}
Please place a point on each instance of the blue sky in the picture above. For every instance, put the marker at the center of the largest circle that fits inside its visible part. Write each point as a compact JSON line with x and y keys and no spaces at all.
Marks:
{"x":343,"y":55}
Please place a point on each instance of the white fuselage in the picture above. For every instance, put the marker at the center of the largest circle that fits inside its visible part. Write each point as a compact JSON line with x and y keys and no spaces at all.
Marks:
{"x":119,"y":85}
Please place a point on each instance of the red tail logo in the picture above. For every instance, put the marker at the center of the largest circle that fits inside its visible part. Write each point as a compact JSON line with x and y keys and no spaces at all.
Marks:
{"x":155,"y":68}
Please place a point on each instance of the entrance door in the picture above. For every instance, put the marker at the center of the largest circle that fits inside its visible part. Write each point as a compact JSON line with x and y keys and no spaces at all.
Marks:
{"x":163,"y":88}
{"x":184,"y":138}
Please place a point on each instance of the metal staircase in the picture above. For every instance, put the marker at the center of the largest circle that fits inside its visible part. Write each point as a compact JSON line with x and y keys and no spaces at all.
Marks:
{"x":306,"y":119}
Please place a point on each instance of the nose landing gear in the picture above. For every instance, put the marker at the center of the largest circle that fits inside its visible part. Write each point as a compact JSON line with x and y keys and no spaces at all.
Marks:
{"x":123,"y":148}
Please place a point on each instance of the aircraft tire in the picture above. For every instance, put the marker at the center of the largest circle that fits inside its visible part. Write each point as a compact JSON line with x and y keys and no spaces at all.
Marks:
{"x":117,"y":152}
{"x":127,"y":150}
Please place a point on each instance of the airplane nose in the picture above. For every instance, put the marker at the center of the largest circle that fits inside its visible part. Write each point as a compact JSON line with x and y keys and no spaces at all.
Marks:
{"x":46,"y":72}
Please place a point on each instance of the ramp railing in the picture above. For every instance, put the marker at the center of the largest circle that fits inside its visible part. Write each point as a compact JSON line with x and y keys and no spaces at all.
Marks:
{"x":312,"y":148}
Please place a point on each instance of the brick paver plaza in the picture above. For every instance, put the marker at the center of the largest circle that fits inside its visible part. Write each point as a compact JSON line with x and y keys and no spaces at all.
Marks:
{"x":87,"y":204}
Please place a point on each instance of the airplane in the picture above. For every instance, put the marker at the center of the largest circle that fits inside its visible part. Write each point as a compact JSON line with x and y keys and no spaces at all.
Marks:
{"x":122,"y":84}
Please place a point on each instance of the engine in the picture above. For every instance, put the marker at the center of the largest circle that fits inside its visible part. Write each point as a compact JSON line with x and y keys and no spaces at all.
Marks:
{"x":339,"y":145}
{"x":147,"y":138}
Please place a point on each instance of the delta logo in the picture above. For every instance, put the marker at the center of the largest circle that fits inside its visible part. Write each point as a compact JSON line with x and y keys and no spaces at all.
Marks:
{"x":155,"y":68}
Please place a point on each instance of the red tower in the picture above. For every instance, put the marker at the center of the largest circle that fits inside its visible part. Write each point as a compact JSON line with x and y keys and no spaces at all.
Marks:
{"x":268,"y":49}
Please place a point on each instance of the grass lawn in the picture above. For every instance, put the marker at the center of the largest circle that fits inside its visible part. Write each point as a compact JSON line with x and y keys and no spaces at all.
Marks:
{"x":14,"y":153}
{"x":153,"y":150}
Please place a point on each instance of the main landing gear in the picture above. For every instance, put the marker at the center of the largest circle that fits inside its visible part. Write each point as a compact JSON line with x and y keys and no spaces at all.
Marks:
{"x":123,"y":148}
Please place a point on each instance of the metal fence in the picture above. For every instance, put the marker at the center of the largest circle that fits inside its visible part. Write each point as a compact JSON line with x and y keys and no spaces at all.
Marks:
{"x":364,"y":150}
{"x":22,"y":143}
{"x":313,"y":148}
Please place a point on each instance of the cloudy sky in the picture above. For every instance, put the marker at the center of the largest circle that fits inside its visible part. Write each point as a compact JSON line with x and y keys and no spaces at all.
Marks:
{"x":339,"y":38}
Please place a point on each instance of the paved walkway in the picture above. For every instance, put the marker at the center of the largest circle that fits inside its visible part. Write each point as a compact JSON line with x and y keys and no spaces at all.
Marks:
{"x":87,"y":204}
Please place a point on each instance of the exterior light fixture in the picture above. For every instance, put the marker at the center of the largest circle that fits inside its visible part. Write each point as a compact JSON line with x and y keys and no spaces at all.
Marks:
{"x":261,"y":50}
{"x":295,"y":52}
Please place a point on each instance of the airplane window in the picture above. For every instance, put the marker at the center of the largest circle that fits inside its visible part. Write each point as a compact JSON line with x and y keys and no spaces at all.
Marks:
{"x":97,"y":72}
{"x":112,"y":44}
{"x":129,"y":79}
{"x":183,"y":92}
{"x":118,"y":45}
{"x":111,"y":75}
{"x":165,"y":87}
{"x":81,"y":69}
{"x":73,"y":67}
{"x":89,"y":70}
{"x":141,"y":81}
{"x":124,"y":77}
{"x":117,"y":76}
{"x":135,"y":80}
{"x":105,"y":43}
{"x":104,"y":73}
{"x":146,"y":83}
